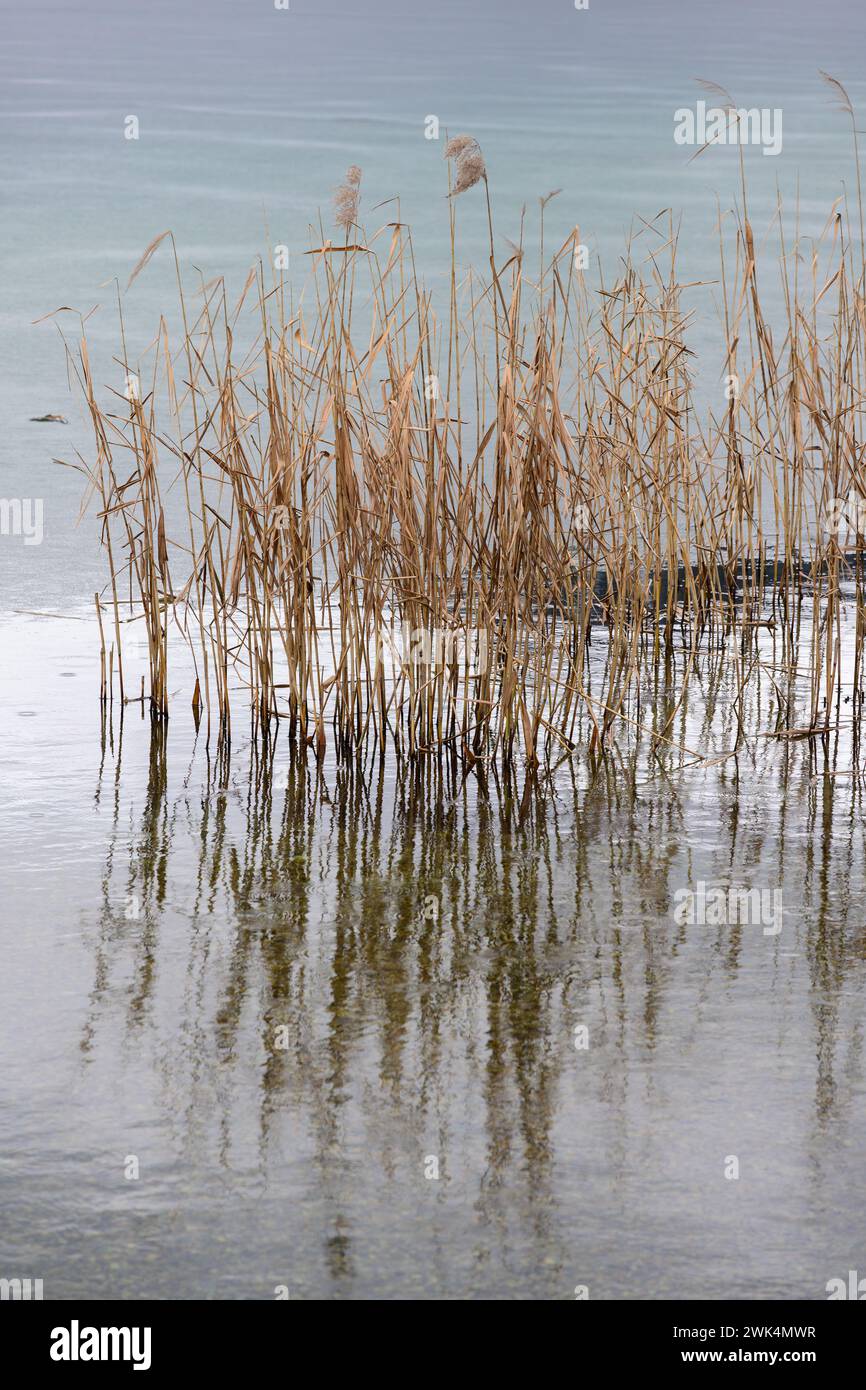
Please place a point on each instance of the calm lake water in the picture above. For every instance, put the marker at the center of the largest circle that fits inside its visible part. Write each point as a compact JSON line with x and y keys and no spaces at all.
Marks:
{"x":333,"y":1016}
{"x":295,"y":993}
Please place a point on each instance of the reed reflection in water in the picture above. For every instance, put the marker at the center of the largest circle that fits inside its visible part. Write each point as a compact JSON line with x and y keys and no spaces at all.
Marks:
{"x":381,"y":1029}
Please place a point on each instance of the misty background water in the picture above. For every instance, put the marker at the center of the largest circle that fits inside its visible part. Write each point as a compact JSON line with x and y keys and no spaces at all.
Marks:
{"x":283,"y":895}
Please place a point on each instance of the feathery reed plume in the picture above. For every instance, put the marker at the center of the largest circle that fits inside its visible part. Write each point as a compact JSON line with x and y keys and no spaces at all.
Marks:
{"x":717,"y":90}
{"x":470,"y":170}
{"x":470,"y":167}
{"x":842,"y":96}
{"x":457,"y":144}
{"x":726,"y":103}
{"x":347,"y":198}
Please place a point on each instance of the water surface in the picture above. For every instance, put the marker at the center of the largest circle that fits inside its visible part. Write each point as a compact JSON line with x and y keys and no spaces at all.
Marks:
{"x":285,"y":986}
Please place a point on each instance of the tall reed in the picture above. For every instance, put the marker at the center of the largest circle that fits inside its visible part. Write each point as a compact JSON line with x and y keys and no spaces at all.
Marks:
{"x":529,"y":475}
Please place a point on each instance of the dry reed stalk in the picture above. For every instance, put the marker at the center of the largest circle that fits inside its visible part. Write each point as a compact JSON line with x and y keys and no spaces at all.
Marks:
{"x":610,"y":546}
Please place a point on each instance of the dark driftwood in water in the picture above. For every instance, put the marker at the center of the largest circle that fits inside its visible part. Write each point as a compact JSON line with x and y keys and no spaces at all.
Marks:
{"x":729,"y":579}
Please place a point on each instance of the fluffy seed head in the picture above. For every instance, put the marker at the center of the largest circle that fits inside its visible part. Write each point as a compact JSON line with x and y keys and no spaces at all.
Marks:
{"x":348,"y":197}
{"x":470,"y":169}
{"x":457,"y":145}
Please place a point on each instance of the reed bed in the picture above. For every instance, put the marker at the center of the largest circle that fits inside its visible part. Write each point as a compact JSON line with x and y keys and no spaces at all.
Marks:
{"x":523,"y":477}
